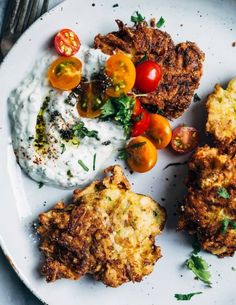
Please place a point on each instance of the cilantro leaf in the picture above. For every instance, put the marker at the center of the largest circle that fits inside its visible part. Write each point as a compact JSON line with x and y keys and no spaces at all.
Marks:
{"x":160,"y":22}
{"x":222,"y":192}
{"x":138,"y":18}
{"x":200,"y":268}
{"x":80,"y":131}
{"x":186,"y":297}
{"x":119,"y":109}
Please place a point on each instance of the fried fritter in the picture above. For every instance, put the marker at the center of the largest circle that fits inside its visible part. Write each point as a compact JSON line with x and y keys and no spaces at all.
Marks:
{"x":182,"y":64}
{"x":107,"y":231}
{"x":221,"y":122}
{"x":209,"y":208}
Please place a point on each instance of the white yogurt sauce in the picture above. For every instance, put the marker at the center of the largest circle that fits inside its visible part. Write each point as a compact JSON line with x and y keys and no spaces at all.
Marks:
{"x":59,"y":168}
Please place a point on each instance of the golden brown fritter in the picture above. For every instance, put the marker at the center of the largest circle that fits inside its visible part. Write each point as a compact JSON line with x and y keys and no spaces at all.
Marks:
{"x":209,"y":208}
{"x":182,"y":64}
{"x":221,"y":121}
{"x":107,"y":231}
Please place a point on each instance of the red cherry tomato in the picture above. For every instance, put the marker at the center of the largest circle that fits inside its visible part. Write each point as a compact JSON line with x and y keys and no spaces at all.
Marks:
{"x":141,"y":126}
{"x":148,"y":75}
{"x":184,"y":139}
{"x":137,"y":108}
{"x":66,"y":43}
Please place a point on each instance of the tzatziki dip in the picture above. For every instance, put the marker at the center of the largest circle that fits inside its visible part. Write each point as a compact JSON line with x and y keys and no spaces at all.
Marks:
{"x":46,"y":124}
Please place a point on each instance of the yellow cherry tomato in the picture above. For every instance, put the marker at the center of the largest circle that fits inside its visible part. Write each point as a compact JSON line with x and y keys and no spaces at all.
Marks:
{"x":142,"y":154}
{"x":159,"y":131}
{"x":65,"y":73}
{"x":121,"y":71}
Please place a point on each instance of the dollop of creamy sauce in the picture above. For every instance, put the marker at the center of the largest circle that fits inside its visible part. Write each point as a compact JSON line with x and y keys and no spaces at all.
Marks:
{"x":59,"y":163}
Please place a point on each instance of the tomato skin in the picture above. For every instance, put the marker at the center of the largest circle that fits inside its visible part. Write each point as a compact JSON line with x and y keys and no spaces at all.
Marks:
{"x":121,"y":71}
{"x":65,"y":73}
{"x":141,"y":126}
{"x":141,"y":158}
{"x":184,"y":139}
{"x":148,"y":75}
{"x":159,"y":131}
{"x":66,"y":42}
{"x":137,"y":108}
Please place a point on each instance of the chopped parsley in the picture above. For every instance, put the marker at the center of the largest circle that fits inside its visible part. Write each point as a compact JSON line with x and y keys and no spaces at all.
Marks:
{"x":222,"y":192}
{"x":226,"y":223}
{"x":41,"y":184}
{"x":200,"y":268}
{"x":115,"y":5}
{"x":196,"y":98}
{"x":196,"y":247}
{"x":186,"y":297}
{"x":94,"y":161}
{"x":63,"y":148}
{"x":119,"y":109}
{"x":160,"y":23}
{"x":69,"y":173}
{"x":138,"y":18}
{"x":81,"y":163}
{"x":80,"y":131}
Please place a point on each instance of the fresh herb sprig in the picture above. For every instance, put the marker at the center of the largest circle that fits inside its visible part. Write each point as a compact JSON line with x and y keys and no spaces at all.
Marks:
{"x":200,"y":268}
{"x":81,"y":163}
{"x":80,"y":131}
{"x":119,"y":109}
{"x":186,"y":297}
{"x":137,"y":18}
{"x":226,"y":223}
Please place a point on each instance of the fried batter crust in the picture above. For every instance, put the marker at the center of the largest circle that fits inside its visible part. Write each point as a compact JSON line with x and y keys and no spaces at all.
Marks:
{"x":182,"y":64}
{"x":203,"y":209}
{"x":107,"y":231}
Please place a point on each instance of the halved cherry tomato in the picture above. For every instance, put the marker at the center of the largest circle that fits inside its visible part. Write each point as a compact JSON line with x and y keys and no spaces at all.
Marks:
{"x":65,"y":73}
{"x":141,"y":126}
{"x":148,"y":75}
{"x":159,"y":131}
{"x":121,"y":71}
{"x":66,"y":42}
{"x":90,"y":99}
{"x":142,"y":154}
{"x":185,"y":139}
{"x":137,"y":108}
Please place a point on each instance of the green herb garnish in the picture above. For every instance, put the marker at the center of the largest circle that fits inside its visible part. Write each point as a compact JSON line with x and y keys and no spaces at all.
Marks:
{"x":185,"y":297}
{"x":144,"y":58}
{"x":41,"y":184}
{"x":81,"y":163}
{"x":94,"y":161}
{"x":63,"y":148}
{"x":225,"y":223}
{"x":200,"y":268}
{"x":222,"y":192}
{"x":69,"y":173}
{"x":196,"y":247}
{"x":124,"y":153}
{"x":80,"y":131}
{"x":138,"y":18}
{"x":119,"y":109}
{"x":196,"y":98}
{"x":160,"y":22}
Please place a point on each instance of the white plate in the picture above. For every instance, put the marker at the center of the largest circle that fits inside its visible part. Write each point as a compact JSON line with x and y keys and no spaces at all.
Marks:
{"x":212,"y":24}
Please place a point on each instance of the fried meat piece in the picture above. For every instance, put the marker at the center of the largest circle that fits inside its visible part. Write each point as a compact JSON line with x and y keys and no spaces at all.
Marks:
{"x":107,"y":231}
{"x":209,"y":208}
{"x":182,"y":64}
{"x":221,"y":122}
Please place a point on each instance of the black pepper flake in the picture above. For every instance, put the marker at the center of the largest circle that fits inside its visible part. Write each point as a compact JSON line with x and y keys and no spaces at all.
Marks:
{"x":93,"y":4}
{"x":115,"y":5}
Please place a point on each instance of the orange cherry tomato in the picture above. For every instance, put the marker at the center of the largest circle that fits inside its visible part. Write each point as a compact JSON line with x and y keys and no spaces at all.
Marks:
{"x":90,"y":99}
{"x":159,"y":131}
{"x":66,"y":42}
{"x":121,"y":71}
{"x":65,"y":73}
{"x":142,"y":154}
